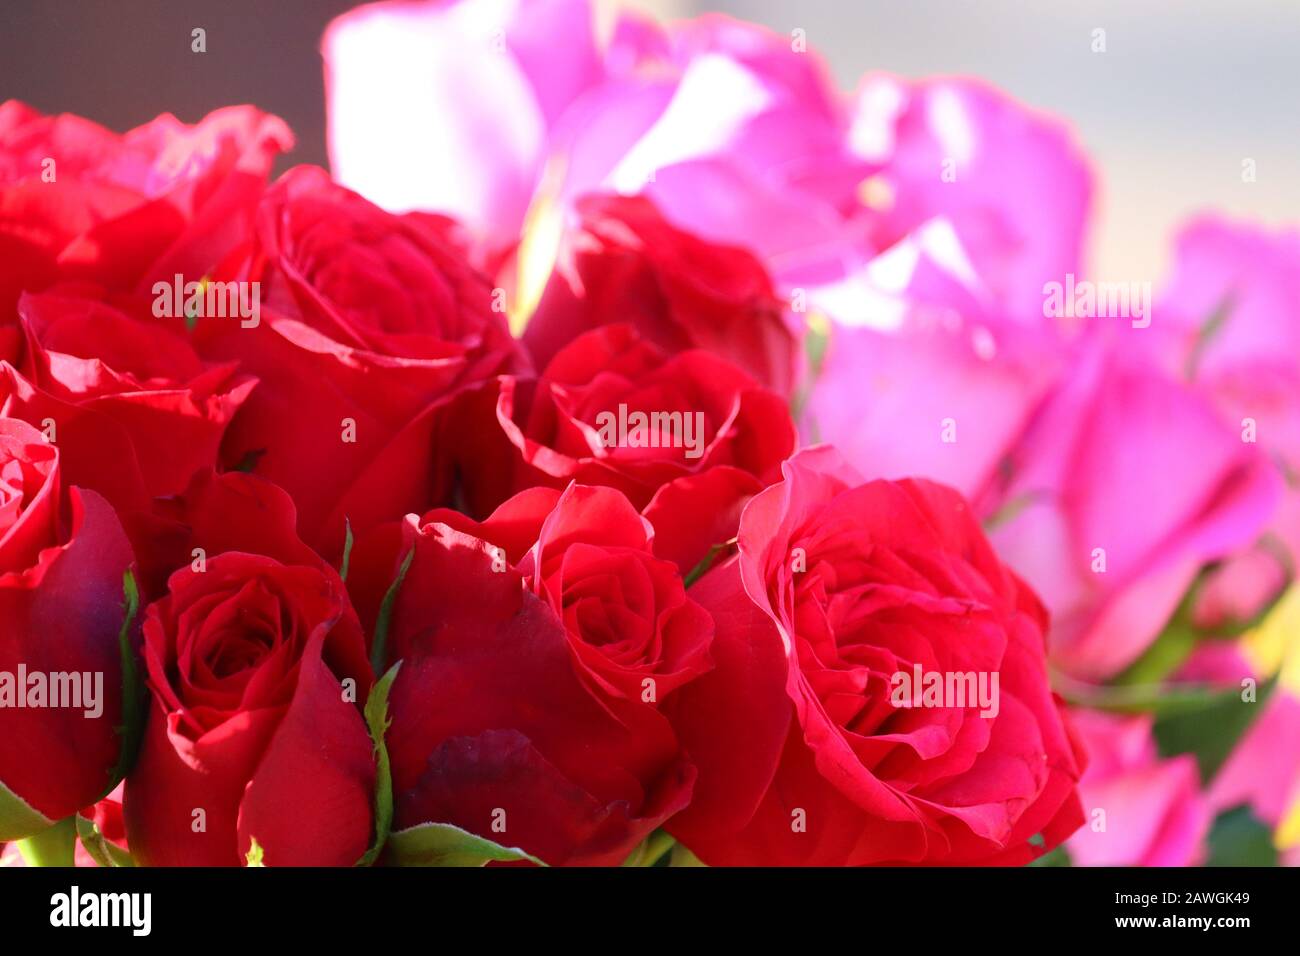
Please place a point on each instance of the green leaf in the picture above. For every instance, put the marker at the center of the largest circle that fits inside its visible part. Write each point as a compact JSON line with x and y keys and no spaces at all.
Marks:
{"x":378,"y":648}
{"x":133,"y":691}
{"x":1239,"y":838}
{"x":347,"y":550}
{"x":254,"y":855}
{"x":441,"y":844}
{"x":1209,"y":732}
{"x":103,"y":850}
{"x":1058,"y":857}
{"x":377,"y":721}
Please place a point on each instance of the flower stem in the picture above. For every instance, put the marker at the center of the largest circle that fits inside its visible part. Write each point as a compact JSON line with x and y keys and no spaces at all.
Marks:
{"x":54,"y":847}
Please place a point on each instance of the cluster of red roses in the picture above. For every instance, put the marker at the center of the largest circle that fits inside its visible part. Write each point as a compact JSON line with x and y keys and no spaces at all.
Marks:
{"x":585,"y":642}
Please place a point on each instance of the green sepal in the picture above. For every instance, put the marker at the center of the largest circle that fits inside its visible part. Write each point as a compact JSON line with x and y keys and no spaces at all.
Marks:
{"x":378,"y":646}
{"x":18,"y":818}
{"x":347,"y":550}
{"x":705,"y":564}
{"x":441,"y":844}
{"x":680,"y":856}
{"x":133,"y":691}
{"x":102,"y":850}
{"x":377,"y":722}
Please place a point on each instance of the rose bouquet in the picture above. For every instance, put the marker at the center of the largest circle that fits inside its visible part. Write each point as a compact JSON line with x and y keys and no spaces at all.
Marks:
{"x":636,"y":451}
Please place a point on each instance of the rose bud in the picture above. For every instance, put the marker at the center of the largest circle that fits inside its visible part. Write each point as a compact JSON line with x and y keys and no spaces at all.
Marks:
{"x":63,"y":555}
{"x":256,"y":665}
{"x":368,"y":323}
{"x":880,"y":691}
{"x":622,"y":261}
{"x":536,"y":649}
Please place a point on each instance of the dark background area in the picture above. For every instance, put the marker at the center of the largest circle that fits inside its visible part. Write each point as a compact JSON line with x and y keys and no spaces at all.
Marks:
{"x":122,"y":62}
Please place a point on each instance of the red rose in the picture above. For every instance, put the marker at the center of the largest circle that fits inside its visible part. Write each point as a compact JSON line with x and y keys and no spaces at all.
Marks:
{"x":537,"y":648}
{"x":613,"y":409}
{"x":80,"y":202}
{"x":812,"y":747}
{"x":589,"y":555}
{"x":369,"y":323}
{"x":133,"y":408}
{"x":62,"y":560}
{"x":623,"y":262}
{"x":252,"y":733}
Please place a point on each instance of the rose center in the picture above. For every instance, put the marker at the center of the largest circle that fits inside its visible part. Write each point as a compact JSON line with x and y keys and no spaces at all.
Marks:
{"x":240,"y":649}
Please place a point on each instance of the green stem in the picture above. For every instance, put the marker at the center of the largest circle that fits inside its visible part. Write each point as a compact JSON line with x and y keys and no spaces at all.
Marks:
{"x":56,"y":846}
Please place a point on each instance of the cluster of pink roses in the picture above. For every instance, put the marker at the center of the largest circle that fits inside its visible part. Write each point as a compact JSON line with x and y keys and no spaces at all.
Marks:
{"x":394,"y":594}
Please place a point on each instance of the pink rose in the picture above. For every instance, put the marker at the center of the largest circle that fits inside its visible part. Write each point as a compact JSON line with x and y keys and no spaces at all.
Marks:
{"x":1140,"y":810}
{"x":1124,"y":486}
